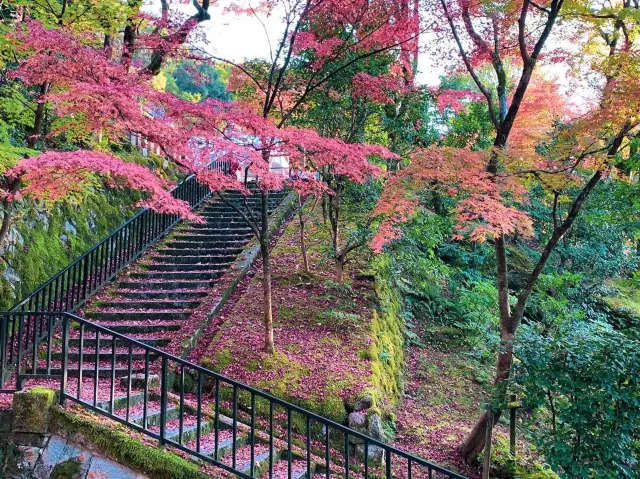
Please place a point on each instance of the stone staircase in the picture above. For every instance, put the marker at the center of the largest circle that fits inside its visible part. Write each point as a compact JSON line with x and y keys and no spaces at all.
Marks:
{"x":152,"y":300}
{"x":233,"y":438}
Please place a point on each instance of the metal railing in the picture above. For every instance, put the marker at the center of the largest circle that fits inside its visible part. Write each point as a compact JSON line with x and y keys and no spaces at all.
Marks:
{"x":72,"y":286}
{"x":238,"y":428}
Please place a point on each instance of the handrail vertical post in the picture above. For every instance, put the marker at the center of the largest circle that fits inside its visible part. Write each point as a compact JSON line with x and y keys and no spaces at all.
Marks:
{"x":19,"y":352}
{"x":163,"y":399}
{"x":65,"y":358}
{"x":85,"y":279}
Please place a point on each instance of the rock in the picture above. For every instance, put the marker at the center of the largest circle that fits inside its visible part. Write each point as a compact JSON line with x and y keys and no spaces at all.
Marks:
{"x":365,"y":402}
{"x":375,"y":454}
{"x":358,"y":421}
{"x":31,"y":410}
{"x":92,"y":220}
{"x":11,"y":275}
{"x":6,"y":420}
{"x":69,"y":228}
{"x":370,"y":425}
{"x":44,"y":219}
{"x":137,"y":380}
{"x":374,"y":427}
{"x":64,"y":238}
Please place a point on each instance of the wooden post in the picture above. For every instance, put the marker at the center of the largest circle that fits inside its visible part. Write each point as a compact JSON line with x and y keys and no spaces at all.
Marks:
{"x":487,"y":445}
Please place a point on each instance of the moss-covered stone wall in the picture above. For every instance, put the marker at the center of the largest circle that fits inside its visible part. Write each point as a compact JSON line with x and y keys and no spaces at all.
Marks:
{"x":388,"y":348}
{"x":45,"y":237}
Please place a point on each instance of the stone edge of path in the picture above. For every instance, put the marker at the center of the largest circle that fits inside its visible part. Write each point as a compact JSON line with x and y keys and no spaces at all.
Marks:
{"x":239,"y":269}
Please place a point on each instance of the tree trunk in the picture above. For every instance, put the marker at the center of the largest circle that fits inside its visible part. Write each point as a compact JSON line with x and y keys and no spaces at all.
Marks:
{"x":474,"y":443}
{"x":339,"y":270}
{"x":303,"y":246}
{"x":39,"y":116}
{"x":269,"y":345}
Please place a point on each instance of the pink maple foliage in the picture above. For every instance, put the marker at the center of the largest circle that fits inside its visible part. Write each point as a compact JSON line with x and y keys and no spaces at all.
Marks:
{"x":52,"y":175}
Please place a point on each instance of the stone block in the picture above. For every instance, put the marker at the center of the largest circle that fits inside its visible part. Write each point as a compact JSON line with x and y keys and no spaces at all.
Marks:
{"x":6,"y":421}
{"x":32,"y":410}
{"x":30,"y":439}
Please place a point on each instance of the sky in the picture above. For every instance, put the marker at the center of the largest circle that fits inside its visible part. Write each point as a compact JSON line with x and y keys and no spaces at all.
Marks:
{"x":238,"y":37}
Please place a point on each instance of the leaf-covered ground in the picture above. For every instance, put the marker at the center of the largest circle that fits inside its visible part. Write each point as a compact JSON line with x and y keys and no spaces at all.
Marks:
{"x":322,"y":330}
{"x":441,"y":402}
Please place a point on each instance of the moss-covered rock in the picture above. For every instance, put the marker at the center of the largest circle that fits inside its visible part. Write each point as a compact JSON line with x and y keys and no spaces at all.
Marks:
{"x":70,"y":469}
{"x":31,"y":410}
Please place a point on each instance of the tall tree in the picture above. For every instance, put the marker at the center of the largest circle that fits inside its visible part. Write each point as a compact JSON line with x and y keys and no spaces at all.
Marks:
{"x":322,"y":38}
{"x":587,"y":151}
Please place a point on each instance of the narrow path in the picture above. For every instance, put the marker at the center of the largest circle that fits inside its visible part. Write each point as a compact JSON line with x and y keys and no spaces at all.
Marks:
{"x":442,"y":400}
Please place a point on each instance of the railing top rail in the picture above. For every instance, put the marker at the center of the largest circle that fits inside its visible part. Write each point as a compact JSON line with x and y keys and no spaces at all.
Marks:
{"x":245,"y":387}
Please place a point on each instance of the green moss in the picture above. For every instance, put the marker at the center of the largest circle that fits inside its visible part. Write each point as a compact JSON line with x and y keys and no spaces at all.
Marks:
{"x":44,"y":253}
{"x":115,"y":443}
{"x":628,"y":297}
{"x":525,"y":466}
{"x":387,"y":348}
{"x":67,"y":470}
{"x":219,"y":361}
{"x":31,"y":410}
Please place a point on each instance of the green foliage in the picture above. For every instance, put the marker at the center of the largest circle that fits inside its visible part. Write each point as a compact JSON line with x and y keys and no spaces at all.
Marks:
{"x":336,"y":318}
{"x":585,"y":388}
{"x":196,"y":81}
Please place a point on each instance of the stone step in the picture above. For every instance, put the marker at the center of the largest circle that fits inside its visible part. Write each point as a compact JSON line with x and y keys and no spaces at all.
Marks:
{"x":90,"y":343}
{"x":205,"y":259}
{"x":105,"y":355}
{"x":261,"y":460}
{"x":225,"y":443}
{"x":153,"y":416}
{"x":143,"y":315}
{"x":206,"y":229}
{"x":179,"y":275}
{"x":163,"y":285}
{"x":88,"y":371}
{"x":210,"y":236}
{"x":156,"y":328}
{"x":189,"y":433}
{"x":233,"y":250}
{"x":217,"y":222}
{"x":220,"y":214}
{"x":204,"y":245}
{"x":150,"y":304}
{"x":190,"y":267}
{"x":169,"y":295}
{"x":120,"y":402}
{"x":253,"y":206}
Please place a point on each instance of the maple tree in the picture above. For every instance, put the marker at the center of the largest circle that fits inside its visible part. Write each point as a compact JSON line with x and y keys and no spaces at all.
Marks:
{"x":109,"y":96}
{"x":489,"y":185}
{"x":316,"y":40}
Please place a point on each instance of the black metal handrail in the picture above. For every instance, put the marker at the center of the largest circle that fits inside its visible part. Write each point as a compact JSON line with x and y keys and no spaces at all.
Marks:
{"x":68,"y":289}
{"x":201,"y":412}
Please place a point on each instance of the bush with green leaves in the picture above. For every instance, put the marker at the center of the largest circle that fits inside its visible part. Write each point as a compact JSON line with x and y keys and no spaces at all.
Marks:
{"x":584,"y":389}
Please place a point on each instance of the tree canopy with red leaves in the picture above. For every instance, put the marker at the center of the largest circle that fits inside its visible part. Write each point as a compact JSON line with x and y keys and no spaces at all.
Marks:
{"x":538,"y":138}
